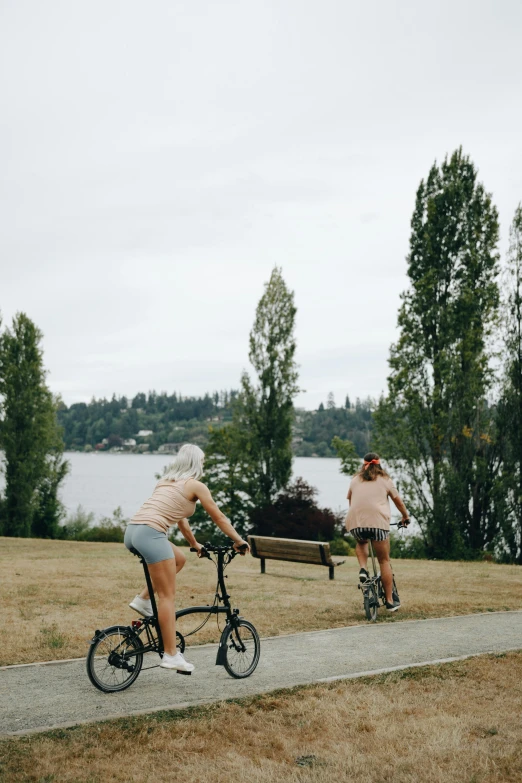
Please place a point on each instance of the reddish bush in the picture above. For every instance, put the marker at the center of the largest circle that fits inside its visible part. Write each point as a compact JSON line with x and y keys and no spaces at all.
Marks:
{"x":294,"y":514}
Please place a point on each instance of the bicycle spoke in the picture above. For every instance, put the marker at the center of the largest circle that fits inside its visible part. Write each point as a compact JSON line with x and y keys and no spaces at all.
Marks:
{"x":242,"y":649}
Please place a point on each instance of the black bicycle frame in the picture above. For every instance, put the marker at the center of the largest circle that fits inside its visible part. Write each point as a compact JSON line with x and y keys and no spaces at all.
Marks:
{"x":376,"y":578}
{"x":373,"y":557}
{"x":139,"y":625}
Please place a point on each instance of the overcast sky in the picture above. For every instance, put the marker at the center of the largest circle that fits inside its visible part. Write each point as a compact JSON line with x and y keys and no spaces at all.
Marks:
{"x":158,"y":159}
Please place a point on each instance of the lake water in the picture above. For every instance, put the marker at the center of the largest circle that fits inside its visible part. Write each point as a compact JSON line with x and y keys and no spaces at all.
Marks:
{"x":102,"y":482}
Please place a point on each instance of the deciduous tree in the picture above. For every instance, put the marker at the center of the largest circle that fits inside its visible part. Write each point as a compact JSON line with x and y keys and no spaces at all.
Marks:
{"x":435,"y":423}
{"x":228,"y":476}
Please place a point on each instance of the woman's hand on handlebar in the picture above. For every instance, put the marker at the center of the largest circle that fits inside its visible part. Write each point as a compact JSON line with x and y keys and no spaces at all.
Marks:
{"x":197,"y":549}
{"x":242,"y":547}
{"x":404,"y":522}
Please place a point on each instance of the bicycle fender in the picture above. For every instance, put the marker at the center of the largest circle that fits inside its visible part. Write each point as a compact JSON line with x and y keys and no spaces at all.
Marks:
{"x":123,"y":628}
{"x":221,"y":653}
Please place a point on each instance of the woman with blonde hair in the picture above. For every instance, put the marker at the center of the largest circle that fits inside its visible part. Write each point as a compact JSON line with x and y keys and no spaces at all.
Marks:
{"x":368,"y":518}
{"x":173,"y":500}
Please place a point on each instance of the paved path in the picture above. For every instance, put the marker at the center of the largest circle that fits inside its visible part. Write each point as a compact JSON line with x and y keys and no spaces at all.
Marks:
{"x":40,"y":696}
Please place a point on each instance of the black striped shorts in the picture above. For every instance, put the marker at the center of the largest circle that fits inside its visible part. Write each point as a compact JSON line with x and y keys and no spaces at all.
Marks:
{"x":362,"y":534}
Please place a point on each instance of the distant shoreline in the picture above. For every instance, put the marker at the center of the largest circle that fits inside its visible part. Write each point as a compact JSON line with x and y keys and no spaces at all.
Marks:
{"x":164,"y":454}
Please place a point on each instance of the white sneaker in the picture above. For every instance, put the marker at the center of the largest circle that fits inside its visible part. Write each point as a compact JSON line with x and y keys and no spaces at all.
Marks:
{"x":177,"y":662}
{"x":141,"y":606}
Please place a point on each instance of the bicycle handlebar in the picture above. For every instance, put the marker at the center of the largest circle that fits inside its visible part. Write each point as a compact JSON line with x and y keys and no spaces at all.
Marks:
{"x":208,"y":547}
{"x":402,"y":523}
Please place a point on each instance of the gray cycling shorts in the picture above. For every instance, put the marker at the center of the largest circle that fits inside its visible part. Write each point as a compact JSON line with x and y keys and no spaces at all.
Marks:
{"x":153,"y":545}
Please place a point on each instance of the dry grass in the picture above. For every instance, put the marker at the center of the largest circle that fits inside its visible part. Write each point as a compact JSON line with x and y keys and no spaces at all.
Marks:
{"x":55,"y":593}
{"x":458,"y":722}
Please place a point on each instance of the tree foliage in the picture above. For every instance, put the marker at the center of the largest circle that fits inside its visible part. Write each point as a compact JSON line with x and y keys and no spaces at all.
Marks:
{"x":29,"y":435}
{"x":176,"y":419}
{"x":172,"y":418}
{"x":345,"y":450}
{"x":509,"y":410}
{"x":228,"y":476}
{"x":436,"y":424}
{"x":264,"y":411}
{"x":294,"y":514}
{"x":316,"y":429}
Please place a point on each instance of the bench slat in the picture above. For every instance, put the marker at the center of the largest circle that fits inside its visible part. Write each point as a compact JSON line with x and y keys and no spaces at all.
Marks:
{"x":289,"y":550}
{"x":267,"y":551}
{"x":295,"y":550}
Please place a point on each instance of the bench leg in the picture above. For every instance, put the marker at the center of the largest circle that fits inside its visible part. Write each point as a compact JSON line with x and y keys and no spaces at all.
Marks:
{"x":262,"y":565}
{"x":331,"y":571}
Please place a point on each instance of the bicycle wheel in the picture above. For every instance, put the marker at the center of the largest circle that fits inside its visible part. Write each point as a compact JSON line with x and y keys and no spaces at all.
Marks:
{"x":371,"y":603}
{"x":114,"y":659}
{"x":242,"y":648}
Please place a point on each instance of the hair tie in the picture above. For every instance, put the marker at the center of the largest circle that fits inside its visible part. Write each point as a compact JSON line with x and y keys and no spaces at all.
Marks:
{"x":372,"y":462}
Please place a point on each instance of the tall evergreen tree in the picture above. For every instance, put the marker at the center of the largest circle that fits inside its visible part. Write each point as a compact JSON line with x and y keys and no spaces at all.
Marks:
{"x":265,"y":411}
{"x":510,"y":404}
{"x":435,"y":422}
{"x":29,"y":435}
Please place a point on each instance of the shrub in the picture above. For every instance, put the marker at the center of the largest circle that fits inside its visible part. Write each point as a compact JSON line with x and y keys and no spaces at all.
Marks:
{"x":79,"y":527}
{"x":3,"y":514}
{"x":294,"y":514}
{"x":77,"y":524}
{"x":408,"y":547}
{"x":340,"y":546}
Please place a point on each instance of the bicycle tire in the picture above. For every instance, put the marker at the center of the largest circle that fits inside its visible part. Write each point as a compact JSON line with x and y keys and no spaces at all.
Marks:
{"x":241,"y":649}
{"x":371,"y":603}
{"x":114,"y":642}
{"x":382,"y":594}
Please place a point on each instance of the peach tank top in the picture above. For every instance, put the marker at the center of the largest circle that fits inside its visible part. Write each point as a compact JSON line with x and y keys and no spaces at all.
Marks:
{"x":166,"y":506}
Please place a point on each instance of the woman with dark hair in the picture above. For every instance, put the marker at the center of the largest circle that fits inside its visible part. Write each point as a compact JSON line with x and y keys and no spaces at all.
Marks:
{"x":369,"y":518}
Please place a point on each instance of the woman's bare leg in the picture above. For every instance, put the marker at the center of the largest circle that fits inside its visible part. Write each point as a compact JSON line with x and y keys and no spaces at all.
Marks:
{"x":382,"y":550}
{"x":163,"y":575}
{"x":180,"y":562}
{"x":361,"y":550}
{"x":179,"y":556}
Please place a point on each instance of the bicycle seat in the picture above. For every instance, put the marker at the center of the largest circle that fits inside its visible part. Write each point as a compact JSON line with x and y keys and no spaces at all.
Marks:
{"x":135,"y":551}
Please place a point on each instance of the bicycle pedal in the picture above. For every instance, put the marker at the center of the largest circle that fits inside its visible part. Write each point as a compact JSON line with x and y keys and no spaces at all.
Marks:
{"x":189,"y":673}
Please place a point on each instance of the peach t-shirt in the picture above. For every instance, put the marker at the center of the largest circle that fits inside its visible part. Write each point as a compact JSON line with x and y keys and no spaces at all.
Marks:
{"x":369,"y":504}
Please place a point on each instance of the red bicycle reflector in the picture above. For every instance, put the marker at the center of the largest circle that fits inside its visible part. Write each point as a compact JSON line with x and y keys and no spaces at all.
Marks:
{"x":136,"y":623}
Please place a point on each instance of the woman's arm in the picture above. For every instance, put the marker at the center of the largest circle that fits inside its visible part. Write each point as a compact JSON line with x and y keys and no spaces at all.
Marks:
{"x":188,"y":535}
{"x":202,"y":493}
{"x":402,"y":508}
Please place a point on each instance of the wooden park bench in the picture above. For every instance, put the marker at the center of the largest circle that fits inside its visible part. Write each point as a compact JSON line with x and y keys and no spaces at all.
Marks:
{"x":313,"y":552}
